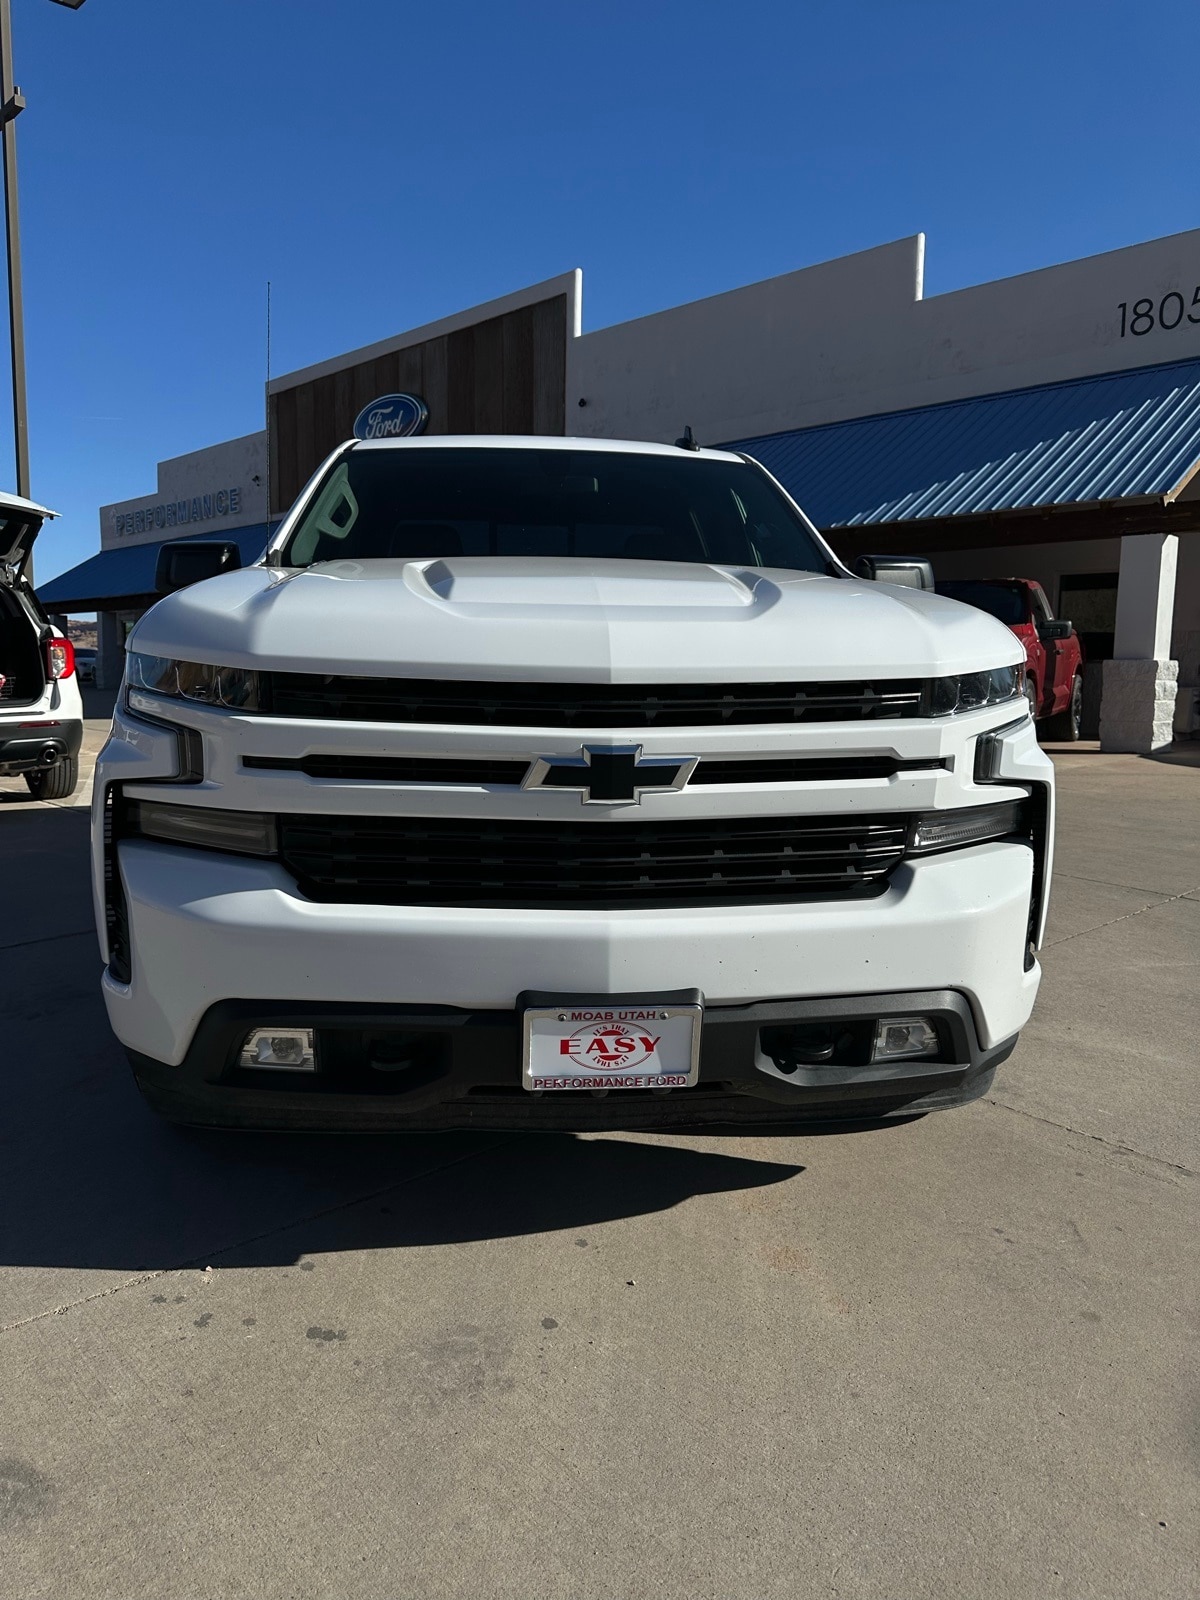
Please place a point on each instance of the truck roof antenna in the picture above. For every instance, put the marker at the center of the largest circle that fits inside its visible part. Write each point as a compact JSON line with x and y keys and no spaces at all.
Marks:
{"x":687,"y":442}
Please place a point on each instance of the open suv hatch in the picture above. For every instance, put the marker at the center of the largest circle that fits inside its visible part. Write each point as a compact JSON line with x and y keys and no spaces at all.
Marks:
{"x":41,"y":713}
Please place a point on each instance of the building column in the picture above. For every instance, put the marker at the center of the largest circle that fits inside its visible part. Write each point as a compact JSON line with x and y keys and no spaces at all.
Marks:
{"x":110,"y":650}
{"x":1138,"y":704}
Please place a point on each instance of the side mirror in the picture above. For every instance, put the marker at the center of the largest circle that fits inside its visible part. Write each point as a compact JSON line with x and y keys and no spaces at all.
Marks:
{"x":914,"y":572}
{"x":185,"y":561}
{"x":1057,"y":629}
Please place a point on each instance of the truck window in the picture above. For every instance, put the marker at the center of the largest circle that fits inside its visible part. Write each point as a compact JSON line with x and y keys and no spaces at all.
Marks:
{"x":1089,"y":601}
{"x":381,"y":504}
{"x":1004,"y":601}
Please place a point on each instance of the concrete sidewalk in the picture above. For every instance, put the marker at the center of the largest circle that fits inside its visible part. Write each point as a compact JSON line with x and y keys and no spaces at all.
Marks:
{"x":950,"y":1359}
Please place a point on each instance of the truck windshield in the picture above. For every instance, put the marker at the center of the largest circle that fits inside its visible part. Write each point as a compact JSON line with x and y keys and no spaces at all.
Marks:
{"x":405,"y":504}
{"x":1004,"y":601}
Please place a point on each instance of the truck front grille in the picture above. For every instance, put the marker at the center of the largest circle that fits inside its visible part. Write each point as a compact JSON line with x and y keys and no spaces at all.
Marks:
{"x":584,"y":705}
{"x":468,"y":862}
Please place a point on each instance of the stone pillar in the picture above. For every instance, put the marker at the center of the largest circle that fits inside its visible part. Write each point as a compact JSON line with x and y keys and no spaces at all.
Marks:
{"x":110,"y":650}
{"x":1138,"y":706}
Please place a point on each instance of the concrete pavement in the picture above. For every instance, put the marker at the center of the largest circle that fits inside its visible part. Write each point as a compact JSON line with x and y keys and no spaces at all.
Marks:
{"x":954,"y":1358}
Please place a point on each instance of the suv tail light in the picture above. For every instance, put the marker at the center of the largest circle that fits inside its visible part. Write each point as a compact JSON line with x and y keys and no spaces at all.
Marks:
{"x":60,"y":658}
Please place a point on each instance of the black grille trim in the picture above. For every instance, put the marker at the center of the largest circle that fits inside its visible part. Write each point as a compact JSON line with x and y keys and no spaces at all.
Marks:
{"x":809,"y":769}
{"x":478,"y":772}
{"x":583,"y":705}
{"x":395,"y":769}
{"x":468,"y":862}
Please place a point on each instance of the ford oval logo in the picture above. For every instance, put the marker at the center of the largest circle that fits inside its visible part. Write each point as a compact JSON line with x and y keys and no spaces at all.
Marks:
{"x":392,"y":416}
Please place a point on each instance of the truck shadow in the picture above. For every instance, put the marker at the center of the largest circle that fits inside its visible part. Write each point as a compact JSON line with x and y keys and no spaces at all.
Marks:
{"x":90,"y":1179}
{"x":123,"y":1192}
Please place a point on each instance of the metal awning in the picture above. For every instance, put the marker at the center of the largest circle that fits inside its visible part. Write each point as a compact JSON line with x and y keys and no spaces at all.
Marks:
{"x":1127,"y":436}
{"x":125,"y":577}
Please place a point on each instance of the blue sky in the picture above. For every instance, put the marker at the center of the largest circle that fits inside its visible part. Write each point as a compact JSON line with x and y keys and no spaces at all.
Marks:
{"x":385,"y":163}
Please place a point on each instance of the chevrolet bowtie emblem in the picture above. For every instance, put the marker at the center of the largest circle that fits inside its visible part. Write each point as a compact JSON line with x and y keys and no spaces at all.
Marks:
{"x":611,"y":774}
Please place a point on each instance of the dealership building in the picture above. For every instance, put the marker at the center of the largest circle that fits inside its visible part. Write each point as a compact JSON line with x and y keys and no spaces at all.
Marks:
{"x":1043,"y":426}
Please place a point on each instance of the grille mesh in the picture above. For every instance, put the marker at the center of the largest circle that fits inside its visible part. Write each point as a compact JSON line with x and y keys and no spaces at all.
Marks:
{"x":456,"y":861}
{"x":585,"y":705}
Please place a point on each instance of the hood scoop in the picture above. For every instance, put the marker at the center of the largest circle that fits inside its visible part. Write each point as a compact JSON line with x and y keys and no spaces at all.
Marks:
{"x":514,"y":584}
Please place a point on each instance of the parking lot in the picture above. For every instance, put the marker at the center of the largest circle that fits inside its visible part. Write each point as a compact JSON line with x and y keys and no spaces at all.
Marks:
{"x":950,"y":1358}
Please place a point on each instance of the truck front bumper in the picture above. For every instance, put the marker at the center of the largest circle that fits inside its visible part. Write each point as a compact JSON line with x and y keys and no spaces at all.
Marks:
{"x":406,"y":1066}
{"x":220,"y":945}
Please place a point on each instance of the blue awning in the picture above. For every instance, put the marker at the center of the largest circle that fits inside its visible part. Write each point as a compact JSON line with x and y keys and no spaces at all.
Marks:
{"x":106,"y":581}
{"x":1126,"y":436}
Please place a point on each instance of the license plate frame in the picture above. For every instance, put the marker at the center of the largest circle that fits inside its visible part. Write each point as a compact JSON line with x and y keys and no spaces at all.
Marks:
{"x":618,"y":1027}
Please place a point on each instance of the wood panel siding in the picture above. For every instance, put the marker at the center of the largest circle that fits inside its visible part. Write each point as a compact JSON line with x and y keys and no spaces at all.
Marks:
{"x":550,"y":366}
{"x":437,"y":384}
{"x":460,"y":412}
{"x":519,"y":382}
{"x":506,"y":374}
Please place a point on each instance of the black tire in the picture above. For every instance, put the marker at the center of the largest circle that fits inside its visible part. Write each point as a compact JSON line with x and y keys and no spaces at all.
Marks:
{"x":56,"y":782}
{"x":1065,"y":725}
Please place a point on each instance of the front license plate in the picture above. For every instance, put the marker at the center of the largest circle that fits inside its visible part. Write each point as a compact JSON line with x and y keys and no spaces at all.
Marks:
{"x":620,"y":1046}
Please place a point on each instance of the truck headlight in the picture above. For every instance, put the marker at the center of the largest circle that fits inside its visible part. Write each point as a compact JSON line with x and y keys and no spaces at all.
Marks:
{"x":950,"y":830}
{"x":236,"y":688}
{"x":247,"y":833}
{"x":969,"y":691}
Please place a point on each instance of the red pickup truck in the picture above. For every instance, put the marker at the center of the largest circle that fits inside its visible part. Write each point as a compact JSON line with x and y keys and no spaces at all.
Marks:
{"x":1053,"y":657}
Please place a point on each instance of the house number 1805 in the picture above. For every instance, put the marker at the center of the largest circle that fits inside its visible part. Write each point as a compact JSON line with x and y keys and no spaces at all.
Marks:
{"x":1172,"y":310}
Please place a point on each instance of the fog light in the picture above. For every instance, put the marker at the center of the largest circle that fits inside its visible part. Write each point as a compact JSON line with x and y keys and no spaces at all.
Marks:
{"x":900,"y":1037}
{"x":949,"y":830}
{"x":284,"y":1049}
{"x":211,"y":827}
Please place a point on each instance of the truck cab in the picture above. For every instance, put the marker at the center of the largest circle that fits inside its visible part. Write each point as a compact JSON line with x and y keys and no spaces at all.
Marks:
{"x":1053,"y":654}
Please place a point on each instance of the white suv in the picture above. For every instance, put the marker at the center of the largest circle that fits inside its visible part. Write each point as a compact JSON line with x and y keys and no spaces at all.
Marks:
{"x":565,"y":783}
{"x":41,"y":712}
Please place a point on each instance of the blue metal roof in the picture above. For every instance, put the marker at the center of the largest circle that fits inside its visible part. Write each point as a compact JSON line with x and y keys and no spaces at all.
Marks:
{"x":128,"y":573}
{"x":1124,"y":436}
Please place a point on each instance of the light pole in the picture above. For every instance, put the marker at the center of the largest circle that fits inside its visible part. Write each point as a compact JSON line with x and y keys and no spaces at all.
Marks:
{"x":12,"y":103}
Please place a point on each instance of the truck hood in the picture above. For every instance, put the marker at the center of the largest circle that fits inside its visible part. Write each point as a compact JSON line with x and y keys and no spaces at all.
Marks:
{"x":570,"y":620}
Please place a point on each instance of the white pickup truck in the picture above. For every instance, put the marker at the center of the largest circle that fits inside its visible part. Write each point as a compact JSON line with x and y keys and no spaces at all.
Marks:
{"x":564,"y":783}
